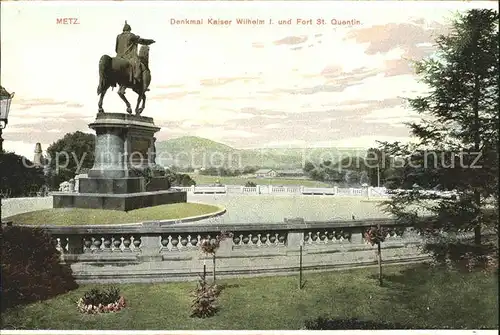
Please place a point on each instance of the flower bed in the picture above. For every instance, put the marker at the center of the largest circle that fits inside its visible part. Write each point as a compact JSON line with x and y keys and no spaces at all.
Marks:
{"x":96,"y":301}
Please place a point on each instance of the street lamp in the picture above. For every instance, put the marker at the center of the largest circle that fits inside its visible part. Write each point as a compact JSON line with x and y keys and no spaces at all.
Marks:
{"x":5,"y":100}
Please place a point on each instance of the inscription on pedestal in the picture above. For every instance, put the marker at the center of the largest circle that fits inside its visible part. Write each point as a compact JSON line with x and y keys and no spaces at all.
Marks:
{"x":139,"y":148}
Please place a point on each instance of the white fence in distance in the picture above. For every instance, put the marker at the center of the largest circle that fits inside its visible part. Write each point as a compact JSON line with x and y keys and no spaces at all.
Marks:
{"x":287,"y":190}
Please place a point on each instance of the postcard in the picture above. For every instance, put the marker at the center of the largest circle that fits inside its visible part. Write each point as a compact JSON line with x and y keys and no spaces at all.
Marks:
{"x":253,"y":166}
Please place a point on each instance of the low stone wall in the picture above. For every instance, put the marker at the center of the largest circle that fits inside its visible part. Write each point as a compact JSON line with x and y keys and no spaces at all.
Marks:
{"x":152,"y":251}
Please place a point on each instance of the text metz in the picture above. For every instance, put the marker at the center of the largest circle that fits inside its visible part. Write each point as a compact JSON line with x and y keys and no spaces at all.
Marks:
{"x":67,"y":20}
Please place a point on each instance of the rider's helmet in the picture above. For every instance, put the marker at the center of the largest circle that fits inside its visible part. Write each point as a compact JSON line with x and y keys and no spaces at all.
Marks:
{"x":126,"y":27}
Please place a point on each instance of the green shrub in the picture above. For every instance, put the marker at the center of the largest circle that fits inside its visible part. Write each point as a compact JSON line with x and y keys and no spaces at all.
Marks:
{"x":30,"y":267}
{"x":463,"y":255}
{"x":205,"y":299}
{"x":250,"y":184}
{"x":96,"y":296}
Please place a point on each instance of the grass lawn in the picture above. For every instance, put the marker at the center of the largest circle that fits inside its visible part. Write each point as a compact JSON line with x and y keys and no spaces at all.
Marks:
{"x":413,"y":295}
{"x":204,"y":180}
{"x":79,"y":216}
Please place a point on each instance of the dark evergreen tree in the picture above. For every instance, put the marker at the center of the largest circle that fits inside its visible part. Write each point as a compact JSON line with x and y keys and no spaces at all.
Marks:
{"x":457,"y":147}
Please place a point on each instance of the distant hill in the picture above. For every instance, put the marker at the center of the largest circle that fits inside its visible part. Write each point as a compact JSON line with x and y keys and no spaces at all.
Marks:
{"x":201,"y":152}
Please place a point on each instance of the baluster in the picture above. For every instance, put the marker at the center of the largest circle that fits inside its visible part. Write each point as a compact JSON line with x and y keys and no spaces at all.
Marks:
{"x":184,"y":241}
{"x":117,"y":242}
{"x":264,"y":239}
{"x":63,"y":242}
{"x":255,"y":239}
{"x":137,"y":243}
{"x":97,"y":242}
{"x":193,"y":241}
{"x":87,"y":244}
{"x":314,"y":236}
{"x":126,"y":243}
{"x":281,"y":238}
{"x":165,"y":240}
{"x":331,"y":235}
{"x":237,"y":239}
{"x":175,"y":242}
{"x":55,"y":243}
{"x":107,"y":243}
{"x":347,"y":234}
{"x":338,"y":235}
{"x":322,"y":237}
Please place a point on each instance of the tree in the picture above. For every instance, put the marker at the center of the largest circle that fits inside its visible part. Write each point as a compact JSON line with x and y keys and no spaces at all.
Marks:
{"x":352,"y":163}
{"x":308,"y":167}
{"x":19,"y":176}
{"x":377,"y":162}
{"x":210,"y":246}
{"x":249,"y":170}
{"x":352,"y":177}
{"x":459,"y":129}
{"x":75,"y":151}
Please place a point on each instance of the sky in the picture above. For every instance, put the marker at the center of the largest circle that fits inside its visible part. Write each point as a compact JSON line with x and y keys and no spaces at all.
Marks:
{"x":247,"y":86}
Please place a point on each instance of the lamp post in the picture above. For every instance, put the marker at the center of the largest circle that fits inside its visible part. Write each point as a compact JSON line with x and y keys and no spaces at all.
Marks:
{"x":5,"y":100}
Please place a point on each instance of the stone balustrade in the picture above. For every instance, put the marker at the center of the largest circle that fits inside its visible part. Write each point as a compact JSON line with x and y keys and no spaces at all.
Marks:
{"x":155,"y":251}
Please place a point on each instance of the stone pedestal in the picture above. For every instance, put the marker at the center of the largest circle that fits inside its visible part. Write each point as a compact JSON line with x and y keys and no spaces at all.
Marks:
{"x":124,"y":144}
{"x":125,"y":175}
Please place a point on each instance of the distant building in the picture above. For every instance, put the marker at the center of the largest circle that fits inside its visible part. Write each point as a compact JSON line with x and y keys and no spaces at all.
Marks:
{"x":265,"y":173}
{"x":291,"y":173}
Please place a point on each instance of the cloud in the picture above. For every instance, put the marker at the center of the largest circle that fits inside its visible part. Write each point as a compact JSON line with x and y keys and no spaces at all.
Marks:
{"x":398,"y":67}
{"x":224,"y":81}
{"x":291,"y":40}
{"x":169,"y":86}
{"x":173,"y":95}
{"x":414,"y":38}
{"x":75,"y":105}
{"x":392,"y":116}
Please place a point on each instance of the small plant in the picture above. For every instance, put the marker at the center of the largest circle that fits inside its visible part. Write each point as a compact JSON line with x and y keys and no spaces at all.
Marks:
{"x":101,"y":301}
{"x":210,"y":245}
{"x":376,"y":235}
{"x":250,"y":184}
{"x":205,"y":299}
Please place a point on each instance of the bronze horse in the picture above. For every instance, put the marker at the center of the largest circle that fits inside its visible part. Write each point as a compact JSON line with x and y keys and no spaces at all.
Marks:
{"x":116,"y":71}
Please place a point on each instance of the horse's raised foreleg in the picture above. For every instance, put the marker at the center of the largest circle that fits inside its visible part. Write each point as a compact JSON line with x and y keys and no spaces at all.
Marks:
{"x":121,"y":93}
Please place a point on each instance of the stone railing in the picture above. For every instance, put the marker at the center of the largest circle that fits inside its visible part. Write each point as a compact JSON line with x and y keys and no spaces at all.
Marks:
{"x":156,"y":252}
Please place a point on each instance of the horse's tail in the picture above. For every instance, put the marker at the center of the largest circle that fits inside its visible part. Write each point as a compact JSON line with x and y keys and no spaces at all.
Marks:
{"x":104,"y":67}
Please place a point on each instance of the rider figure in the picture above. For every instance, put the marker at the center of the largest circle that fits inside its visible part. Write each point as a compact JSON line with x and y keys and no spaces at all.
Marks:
{"x":126,"y":47}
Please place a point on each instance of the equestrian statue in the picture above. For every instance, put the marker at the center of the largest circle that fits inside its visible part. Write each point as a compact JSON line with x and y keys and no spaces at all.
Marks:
{"x":128,"y":69}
